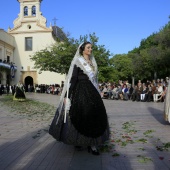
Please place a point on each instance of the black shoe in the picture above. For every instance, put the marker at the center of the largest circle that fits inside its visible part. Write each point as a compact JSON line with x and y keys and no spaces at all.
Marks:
{"x":94,"y":152}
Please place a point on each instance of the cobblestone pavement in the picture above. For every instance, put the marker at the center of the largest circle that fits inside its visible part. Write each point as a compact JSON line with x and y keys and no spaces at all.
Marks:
{"x":137,"y":131}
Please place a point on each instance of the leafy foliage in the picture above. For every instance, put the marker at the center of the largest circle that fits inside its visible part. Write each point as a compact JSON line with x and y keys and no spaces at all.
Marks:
{"x":57,"y":58}
{"x":153,"y":53}
{"x":149,"y":59}
{"x":144,"y":62}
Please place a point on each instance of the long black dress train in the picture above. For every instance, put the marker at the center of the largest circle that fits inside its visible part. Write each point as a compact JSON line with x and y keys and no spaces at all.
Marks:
{"x":19,"y":93}
{"x":86,"y":123}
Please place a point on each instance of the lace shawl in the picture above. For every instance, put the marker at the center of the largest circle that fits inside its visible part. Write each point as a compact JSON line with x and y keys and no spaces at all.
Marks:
{"x":76,"y":61}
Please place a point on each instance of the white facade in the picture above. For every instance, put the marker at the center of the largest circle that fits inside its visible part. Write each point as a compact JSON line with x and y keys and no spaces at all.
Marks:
{"x":28,"y":36}
{"x":6,"y":55}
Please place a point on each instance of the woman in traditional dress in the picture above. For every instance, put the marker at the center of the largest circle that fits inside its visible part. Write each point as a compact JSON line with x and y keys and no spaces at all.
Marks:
{"x":81,"y":118}
{"x":19,"y":93}
{"x":167,"y":103}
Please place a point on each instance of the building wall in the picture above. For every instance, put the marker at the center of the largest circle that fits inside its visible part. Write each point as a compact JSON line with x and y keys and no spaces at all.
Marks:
{"x":6,"y":45}
{"x":35,"y":27}
{"x":6,"y":49}
{"x":41,"y":40}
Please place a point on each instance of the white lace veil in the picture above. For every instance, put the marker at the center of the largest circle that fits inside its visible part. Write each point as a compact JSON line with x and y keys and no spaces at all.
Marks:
{"x":69,"y":75}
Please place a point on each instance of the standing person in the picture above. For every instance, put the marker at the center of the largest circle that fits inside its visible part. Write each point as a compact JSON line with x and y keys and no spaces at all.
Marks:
{"x":19,"y":92}
{"x":167,"y":103}
{"x":7,"y":89}
{"x":13,"y":89}
{"x":29,"y":88}
{"x":62,"y":85}
{"x":82,"y":122}
{"x":0,"y":89}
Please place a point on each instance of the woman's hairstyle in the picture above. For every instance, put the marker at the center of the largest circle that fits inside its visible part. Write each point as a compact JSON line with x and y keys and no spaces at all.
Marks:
{"x":83,"y":47}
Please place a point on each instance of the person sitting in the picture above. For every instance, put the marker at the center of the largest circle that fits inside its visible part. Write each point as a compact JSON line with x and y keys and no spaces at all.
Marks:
{"x":119,"y":93}
{"x":162,"y":96}
{"x":134,"y":94}
{"x":109,"y":91}
{"x":125,"y":92}
{"x":148,"y":94}
{"x":114,"y":92}
{"x":154,"y":89}
{"x":104,"y":92}
{"x":130,"y":90}
{"x":143,"y":93}
{"x":138,"y":91}
{"x":158,"y":92}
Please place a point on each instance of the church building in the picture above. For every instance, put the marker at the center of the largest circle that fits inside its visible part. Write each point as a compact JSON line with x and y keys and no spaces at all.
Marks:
{"x":29,"y":35}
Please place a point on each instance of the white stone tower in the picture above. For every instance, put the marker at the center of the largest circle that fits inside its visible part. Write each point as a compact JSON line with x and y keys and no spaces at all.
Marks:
{"x":31,"y":35}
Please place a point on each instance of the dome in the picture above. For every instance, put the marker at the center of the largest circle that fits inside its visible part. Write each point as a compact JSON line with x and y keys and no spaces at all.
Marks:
{"x":58,"y":33}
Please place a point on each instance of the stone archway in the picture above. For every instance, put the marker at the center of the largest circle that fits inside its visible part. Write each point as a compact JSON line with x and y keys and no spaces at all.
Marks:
{"x":28,"y":81}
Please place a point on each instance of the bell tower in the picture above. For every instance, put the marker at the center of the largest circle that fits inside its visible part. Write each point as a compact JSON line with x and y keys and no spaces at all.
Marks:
{"x":30,"y":35}
{"x":29,"y":8}
{"x":30,"y":14}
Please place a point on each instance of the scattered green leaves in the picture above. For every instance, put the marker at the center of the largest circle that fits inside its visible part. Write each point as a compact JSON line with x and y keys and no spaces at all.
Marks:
{"x":32,"y":110}
{"x":127,"y":125}
{"x":165,"y":147}
{"x":106,"y":147}
{"x":142,"y":140}
{"x":115,"y":155}
{"x":148,"y":132}
{"x":144,"y":159}
{"x":142,"y":149}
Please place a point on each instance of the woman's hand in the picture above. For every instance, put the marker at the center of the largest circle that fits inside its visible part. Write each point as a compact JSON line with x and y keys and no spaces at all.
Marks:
{"x":67,"y":103}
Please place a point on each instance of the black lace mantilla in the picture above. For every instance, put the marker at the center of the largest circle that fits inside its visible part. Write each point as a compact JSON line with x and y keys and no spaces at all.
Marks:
{"x":87,"y":117}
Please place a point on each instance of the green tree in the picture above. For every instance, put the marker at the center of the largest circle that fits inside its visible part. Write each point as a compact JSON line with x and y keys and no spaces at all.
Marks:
{"x":152,"y":58}
{"x":123,"y":66}
{"x":57,"y":58}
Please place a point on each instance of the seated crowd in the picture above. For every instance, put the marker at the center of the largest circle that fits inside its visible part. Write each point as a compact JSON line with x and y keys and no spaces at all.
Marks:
{"x":54,"y":89}
{"x":147,"y":91}
{"x":49,"y":89}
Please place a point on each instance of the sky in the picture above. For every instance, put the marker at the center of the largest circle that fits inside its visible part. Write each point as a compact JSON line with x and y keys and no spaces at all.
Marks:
{"x":120,"y":25}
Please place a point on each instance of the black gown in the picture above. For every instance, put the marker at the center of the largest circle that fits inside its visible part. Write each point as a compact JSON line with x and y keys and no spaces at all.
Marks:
{"x":87,"y":122}
{"x":19,"y":94}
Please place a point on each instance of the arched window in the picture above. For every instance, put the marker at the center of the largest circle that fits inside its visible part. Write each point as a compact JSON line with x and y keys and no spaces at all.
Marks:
{"x":25,"y":11}
{"x":33,"y":10}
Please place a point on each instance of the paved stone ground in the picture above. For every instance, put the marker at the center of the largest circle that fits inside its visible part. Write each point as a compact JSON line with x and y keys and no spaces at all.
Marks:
{"x":26,"y":144}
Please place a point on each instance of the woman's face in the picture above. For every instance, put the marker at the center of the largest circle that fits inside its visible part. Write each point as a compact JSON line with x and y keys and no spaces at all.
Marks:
{"x":87,"y":49}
